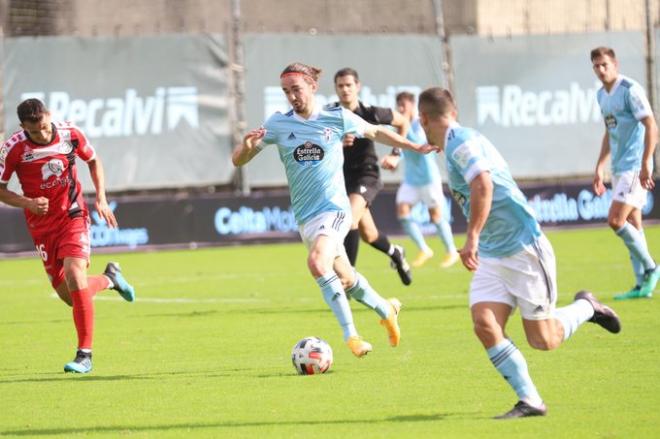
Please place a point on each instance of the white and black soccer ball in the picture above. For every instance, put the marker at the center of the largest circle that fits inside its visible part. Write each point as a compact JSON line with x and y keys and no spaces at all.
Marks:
{"x":311,"y":355}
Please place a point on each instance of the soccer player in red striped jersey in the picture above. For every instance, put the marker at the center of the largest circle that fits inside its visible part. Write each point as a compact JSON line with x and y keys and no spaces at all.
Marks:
{"x":43,"y":156}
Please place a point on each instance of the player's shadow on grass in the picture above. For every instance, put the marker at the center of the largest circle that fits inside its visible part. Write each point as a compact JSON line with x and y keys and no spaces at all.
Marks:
{"x":79,"y":378}
{"x":123,"y":429}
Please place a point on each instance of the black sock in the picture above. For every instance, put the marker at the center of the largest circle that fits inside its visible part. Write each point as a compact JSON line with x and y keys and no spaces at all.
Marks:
{"x":383,"y":244}
{"x":351,"y":244}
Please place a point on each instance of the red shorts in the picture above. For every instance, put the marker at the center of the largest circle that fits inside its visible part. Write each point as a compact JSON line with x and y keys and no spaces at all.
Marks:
{"x":69,"y":241}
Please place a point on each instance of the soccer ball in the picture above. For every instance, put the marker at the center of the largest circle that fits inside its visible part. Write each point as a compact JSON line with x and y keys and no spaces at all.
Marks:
{"x":311,"y":355}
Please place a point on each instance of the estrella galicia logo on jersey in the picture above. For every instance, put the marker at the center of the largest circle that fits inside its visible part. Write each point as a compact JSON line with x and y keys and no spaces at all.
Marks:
{"x":610,"y":121}
{"x":54,"y":167}
{"x":308,"y":154}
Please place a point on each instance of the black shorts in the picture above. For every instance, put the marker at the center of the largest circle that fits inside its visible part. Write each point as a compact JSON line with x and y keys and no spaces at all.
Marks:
{"x":366,"y":185}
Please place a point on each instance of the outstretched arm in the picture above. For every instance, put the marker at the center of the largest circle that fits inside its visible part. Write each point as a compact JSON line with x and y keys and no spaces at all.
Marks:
{"x":388,"y":137}
{"x":246,"y":151}
{"x":98,"y":178}
{"x":400,"y":123}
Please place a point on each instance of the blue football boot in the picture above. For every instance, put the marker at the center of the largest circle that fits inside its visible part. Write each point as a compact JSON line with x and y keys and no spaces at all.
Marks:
{"x":81,"y":364}
{"x":126,"y":290}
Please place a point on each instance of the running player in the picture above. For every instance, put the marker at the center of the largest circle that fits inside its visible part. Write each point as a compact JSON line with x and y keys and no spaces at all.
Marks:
{"x":43,"y":156}
{"x":513,"y":261}
{"x":630,"y":138}
{"x":309,"y":141}
{"x":362,"y":174}
{"x":421,"y":182}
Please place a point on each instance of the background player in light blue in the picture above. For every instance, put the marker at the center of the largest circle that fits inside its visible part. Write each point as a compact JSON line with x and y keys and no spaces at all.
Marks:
{"x":309,"y":141}
{"x":630,"y":138}
{"x":421,"y":183}
{"x":514,"y":263}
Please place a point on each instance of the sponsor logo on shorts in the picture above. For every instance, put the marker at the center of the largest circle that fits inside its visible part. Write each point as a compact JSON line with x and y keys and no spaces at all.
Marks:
{"x":308,"y":154}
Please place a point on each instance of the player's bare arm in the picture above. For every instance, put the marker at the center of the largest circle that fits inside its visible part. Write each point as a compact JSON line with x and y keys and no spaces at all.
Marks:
{"x":598,"y":185}
{"x":383,"y":135}
{"x":400,"y":123}
{"x":481,"y":198}
{"x":246,"y":151}
{"x":98,"y":178}
{"x":650,"y":141}
{"x":38,"y":205}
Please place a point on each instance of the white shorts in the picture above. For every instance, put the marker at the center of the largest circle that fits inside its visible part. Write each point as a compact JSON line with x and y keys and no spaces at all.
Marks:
{"x":335,"y":225}
{"x":627,"y":189}
{"x":430,"y":194}
{"x":527,"y":279}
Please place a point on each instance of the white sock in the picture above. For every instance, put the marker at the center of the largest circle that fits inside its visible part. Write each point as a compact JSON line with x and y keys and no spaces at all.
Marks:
{"x":573,"y":315}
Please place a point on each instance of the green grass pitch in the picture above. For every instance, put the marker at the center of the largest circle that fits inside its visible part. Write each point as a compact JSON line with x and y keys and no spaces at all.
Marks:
{"x":205,"y":351}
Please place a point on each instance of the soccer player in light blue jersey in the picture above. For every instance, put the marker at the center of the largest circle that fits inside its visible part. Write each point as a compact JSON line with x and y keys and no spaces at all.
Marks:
{"x":630,"y":138}
{"x":421,"y":183}
{"x":309,"y":141}
{"x":512,"y":261}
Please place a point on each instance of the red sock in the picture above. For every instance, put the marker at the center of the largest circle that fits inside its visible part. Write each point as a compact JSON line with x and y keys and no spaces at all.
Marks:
{"x":83,"y":317}
{"x":97,"y":283}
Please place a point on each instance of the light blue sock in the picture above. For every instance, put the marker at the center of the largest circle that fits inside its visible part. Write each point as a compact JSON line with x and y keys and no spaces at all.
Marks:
{"x":573,"y":315}
{"x":334,"y":296}
{"x":413,"y":230}
{"x":638,"y":267}
{"x":444,"y":232}
{"x":511,"y":364}
{"x":363,"y":293}
{"x":636,"y":244}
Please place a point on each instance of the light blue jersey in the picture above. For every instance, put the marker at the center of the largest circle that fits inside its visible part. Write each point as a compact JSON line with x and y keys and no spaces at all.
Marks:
{"x":622,"y":108}
{"x":511,"y":222}
{"x":311,"y":151}
{"x":420,"y":169}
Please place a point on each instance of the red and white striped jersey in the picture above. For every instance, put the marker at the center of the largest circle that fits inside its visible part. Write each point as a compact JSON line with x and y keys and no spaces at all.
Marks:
{"x":48,"y":171}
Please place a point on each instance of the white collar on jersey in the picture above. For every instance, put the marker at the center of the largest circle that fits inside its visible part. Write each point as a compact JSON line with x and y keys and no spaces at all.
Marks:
{"x":313,"y":116}
{"x":452,"y":125}
{"x":615,"y":86}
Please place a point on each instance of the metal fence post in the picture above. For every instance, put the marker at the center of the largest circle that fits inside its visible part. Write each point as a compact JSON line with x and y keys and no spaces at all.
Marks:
{"x":237,"y":68}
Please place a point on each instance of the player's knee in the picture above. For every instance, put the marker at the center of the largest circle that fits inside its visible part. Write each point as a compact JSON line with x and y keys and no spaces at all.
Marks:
{"x":75,"y":278}
{"x":615,"y":222}
{"x":316,"y":265}
{"x":486,"y":332}
{"x":347,"y":282}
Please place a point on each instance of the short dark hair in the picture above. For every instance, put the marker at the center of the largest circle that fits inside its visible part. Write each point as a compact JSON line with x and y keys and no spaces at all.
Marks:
{"x":436,"y":102}
{"x":602,"y":51}
{"x":405,"y":96}
{"x":347,"y":71}
{"x":31,"y":110}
